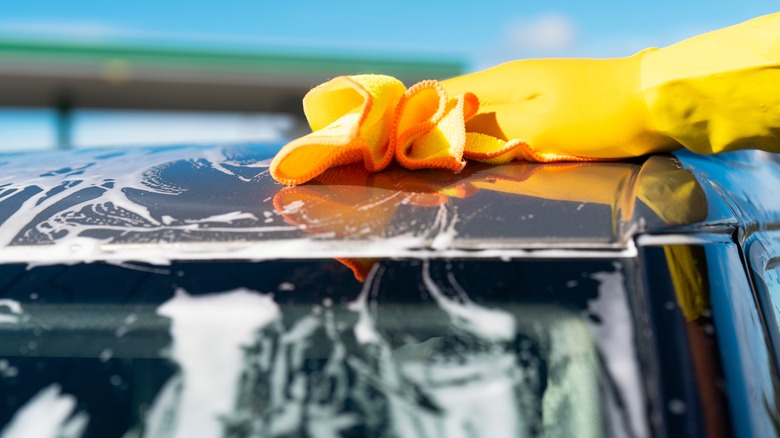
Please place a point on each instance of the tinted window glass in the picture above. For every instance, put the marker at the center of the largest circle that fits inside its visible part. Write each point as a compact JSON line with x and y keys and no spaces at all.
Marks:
{"x":420,"y":348}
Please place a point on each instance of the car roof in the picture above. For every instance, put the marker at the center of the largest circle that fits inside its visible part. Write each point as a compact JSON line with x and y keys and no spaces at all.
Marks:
{"x":219,"y":202}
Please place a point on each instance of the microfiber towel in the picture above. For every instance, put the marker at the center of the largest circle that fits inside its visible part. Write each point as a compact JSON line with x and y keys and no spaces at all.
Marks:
{"x":350,"y":118}
{"x":429,"y":130}
{"x":374,"y":118}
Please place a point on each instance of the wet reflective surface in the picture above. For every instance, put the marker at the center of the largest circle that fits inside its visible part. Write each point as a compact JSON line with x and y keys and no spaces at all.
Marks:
{"x":195,"y":200}
{"x":715,"y":355}
{"x":422,"y":348}
{"x":181,"y":292}
{"x":742,"y":185}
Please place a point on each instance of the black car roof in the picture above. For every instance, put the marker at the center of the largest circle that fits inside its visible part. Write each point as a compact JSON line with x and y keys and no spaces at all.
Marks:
{"x":158,"y":204}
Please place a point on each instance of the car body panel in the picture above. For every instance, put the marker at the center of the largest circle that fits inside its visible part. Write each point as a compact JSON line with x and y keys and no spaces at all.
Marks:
{"x":194,"y":202}
{"x":362,"y":275}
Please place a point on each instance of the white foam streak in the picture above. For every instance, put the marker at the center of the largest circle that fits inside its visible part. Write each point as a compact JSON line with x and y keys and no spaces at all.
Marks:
{"x":15,"y":311}
{"x":97,"y":170}
{"x":445,"y":226}
{"x":492,"y":324}
{"x":227,"y":217}
{"x":47,"y":415}
{"x":208,"y":333}
{"x":365,"y":331}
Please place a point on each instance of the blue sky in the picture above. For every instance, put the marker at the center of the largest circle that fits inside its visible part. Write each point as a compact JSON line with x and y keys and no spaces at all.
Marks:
{"x":479,"y":33}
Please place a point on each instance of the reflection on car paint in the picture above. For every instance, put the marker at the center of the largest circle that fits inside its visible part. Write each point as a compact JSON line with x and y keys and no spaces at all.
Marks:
{"x":188,"y":201}
{"x":743,"y":181}
{"x":745,"y":352}
{"x":346,"y":367}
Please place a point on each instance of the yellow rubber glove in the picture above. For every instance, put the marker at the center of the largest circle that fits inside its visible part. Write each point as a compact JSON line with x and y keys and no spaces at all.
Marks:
{"x":562,"y":109}
{"x":716,"y":92}
{"x":719,"y":91}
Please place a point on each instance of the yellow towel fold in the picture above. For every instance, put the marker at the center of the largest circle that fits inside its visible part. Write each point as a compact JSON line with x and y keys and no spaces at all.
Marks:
{"x":373,"y":119}
{"x":430,"y":129}
{"x":349,"y":118}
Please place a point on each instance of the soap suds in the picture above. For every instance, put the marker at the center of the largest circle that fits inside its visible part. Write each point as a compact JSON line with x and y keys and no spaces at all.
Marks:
{"x":10,"y":311}
{"x":106,"y":179}
{"x":491,"y":324}
{"x":49,"y":414}
{"x":208,"y":334}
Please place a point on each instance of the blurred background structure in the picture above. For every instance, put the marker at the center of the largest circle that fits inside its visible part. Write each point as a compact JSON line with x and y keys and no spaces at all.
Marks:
{"x":84,"y":73}
{"x":69,"y":77}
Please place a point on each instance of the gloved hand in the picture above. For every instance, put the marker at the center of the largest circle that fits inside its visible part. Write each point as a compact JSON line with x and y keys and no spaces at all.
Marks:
{"x":716,"y":92}
{"x":719,"y":91}
{"x":576,"y":107}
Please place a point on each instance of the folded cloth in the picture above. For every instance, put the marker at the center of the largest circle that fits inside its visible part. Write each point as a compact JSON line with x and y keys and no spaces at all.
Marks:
{"x":372,"y":118}
{"x":350,"y":118}
{"x":429,"y":130}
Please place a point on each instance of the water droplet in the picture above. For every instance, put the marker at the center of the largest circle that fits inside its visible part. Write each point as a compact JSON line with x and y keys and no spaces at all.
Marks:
{"x":676,"y":406}
{"x":106,"y":354}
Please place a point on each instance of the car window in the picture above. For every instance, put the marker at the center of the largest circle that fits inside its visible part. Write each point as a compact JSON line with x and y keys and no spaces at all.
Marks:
{"x":420,"y":348}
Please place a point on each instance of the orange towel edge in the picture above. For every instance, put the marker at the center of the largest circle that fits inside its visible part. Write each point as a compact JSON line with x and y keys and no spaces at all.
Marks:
{"x":472,"y":105}
{"x":507,"y":147}
{"x":376,"y":166}
{"x":277,"y":173}
{"x":469,"y":106}
{"x":278,"y":161}
{"x":410,"y":134}
{"x":451,"y":163}
{"x":310,"y":139}
{"x":549,"y":157}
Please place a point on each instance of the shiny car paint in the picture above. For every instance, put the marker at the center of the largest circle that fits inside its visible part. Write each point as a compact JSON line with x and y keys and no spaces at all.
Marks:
{"x":690,"y":240}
